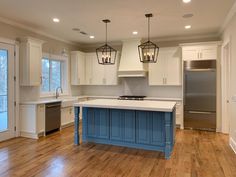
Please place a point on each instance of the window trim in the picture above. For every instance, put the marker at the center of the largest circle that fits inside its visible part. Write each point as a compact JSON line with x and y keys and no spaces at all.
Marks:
{"x":64,"y":74}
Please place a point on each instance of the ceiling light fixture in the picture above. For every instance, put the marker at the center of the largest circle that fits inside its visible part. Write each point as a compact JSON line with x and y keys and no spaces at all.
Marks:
{"x":188,"y":26}
{"x":135,"y":32}
{"x":106,"y":55}
{"x":56,"y":20}
{"x":91,"y":37}
{"x":186,"y":1}
{"x":148,"y":51}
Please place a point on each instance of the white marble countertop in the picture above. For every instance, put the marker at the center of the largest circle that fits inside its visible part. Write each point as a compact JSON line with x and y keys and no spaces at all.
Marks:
{"x":51,"y":100}
{"x":163,"y":106}
{"x":76,"y":98}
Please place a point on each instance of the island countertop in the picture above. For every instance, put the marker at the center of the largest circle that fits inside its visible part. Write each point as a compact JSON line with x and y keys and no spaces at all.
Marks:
{"x":145,"y":105}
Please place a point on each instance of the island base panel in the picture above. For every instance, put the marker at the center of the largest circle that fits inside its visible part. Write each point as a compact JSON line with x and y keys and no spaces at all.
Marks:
{"x":149,"y":130}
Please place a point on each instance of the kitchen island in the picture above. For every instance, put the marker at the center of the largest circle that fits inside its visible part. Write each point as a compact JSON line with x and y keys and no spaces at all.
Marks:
{"x":146,"y":125}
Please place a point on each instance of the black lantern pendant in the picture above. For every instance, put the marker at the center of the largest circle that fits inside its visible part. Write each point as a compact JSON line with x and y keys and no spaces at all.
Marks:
{"x":148,"y":51}
{"x":106,"y":55}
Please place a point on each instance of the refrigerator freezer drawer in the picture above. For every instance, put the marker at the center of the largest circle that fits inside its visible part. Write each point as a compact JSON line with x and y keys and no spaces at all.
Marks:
{"x":201,"y":120}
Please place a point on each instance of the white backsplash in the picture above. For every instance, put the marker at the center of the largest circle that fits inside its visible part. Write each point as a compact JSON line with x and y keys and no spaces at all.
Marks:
{"x":134,"y":86}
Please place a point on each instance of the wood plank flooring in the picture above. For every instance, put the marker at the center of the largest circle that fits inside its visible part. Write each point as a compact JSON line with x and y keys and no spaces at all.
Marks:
{"x":196,"y":154}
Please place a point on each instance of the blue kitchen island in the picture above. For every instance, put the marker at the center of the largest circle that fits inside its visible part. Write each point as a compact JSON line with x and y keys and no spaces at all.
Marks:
{"x":148,"y":125}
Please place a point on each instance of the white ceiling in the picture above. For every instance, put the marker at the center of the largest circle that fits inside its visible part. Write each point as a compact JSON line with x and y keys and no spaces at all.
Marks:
{"x":125,"y":15}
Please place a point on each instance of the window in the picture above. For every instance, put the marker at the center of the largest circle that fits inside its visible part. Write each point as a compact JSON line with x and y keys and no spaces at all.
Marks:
{"x":51,"y":75}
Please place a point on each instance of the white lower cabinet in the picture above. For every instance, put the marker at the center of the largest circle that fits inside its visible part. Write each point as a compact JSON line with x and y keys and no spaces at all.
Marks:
{"x":167,"y":70}
{"x":32,"y":121}
{"x":67,"y":116}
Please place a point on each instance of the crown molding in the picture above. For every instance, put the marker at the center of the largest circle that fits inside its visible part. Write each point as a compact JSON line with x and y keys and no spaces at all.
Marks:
{"x":19,"y":25}
{"x":228,"y":18}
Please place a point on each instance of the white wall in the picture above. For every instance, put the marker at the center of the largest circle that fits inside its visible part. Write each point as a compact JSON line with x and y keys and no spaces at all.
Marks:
{"x":50,"y":46}
{"x":230,"y":33}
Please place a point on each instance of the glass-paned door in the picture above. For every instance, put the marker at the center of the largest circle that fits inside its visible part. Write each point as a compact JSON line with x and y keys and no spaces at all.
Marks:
{"x":6,"y":92}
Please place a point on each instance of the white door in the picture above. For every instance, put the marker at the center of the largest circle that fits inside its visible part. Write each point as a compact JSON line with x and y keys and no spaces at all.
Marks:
{"x":7,"y":122}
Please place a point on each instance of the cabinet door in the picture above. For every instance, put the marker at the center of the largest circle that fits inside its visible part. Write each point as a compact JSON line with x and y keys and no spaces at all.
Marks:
{"x":208,"y":53}
{"x":91,"y":122}
{"x":143,"y":127}
{"x":98,"y":72}
{"x":157,"y":128}
{"x":35,"y":58}
{"x":40,"y":118}
{"x":88,"y":68}
{"x":190,"y":53}
{"x":129,"y":126}
{"x":116,"y":124}
{"x":173,"y":67}
{"x":156,"y":70}
{"x":101,"y":117}
{"x":111,"y":77}
{"x":77,"y":68}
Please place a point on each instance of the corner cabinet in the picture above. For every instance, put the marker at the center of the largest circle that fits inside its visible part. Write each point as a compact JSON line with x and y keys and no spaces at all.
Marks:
{"x":204,"y":51}
{"x":30,"y":61}
{"x":85,"y":70}
{"x":167,"y":70}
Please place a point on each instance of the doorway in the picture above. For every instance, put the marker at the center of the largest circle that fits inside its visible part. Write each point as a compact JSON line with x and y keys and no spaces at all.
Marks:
{"x":226,"y":101}
{"x":7,"y":120}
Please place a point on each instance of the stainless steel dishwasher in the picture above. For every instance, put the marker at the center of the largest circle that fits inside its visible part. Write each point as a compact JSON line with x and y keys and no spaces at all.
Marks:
{"x":52,"y":117}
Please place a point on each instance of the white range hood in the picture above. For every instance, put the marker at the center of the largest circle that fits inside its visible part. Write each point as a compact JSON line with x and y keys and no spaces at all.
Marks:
{"x":130,"y":65}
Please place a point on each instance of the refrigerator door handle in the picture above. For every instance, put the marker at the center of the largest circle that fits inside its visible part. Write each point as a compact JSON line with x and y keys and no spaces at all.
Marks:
{"x":200,"y":112}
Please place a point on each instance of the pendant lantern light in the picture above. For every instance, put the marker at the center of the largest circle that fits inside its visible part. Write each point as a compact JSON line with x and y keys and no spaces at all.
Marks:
{"x":148,"y":51}
{"x":106,"y":55}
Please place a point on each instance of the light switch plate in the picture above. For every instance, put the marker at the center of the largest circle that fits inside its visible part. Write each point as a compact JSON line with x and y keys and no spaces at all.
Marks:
{"x":234,"y":98}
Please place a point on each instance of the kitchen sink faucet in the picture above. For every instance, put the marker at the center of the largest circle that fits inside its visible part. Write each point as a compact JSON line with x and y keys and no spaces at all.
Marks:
{"x":57,"y":92}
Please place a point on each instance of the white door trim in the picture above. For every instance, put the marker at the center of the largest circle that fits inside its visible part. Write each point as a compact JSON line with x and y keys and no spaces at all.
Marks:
{"x":225,"y":90}
{"x":15,"y":44}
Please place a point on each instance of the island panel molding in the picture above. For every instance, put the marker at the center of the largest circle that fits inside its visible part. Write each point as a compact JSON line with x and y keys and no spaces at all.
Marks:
{"x":149,"y":130}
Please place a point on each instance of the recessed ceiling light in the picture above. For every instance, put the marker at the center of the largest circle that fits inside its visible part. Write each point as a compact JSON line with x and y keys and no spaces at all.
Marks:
{"x":56,"y":20}
{"x":186,"y":1}
{"x":188,"y":26}
{"x":91,"y":37}
{"x":135,"y":32}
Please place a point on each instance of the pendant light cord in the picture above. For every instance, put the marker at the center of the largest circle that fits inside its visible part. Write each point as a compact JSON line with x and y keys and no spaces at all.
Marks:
{"x":148,"y":28}
{"x":106,"y":33}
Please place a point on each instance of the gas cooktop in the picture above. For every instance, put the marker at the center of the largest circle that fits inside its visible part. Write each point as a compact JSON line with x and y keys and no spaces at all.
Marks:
{"x":131,"y":97}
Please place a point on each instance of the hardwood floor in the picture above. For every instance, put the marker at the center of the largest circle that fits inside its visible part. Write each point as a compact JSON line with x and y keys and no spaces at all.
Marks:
{"x":196,"y":154}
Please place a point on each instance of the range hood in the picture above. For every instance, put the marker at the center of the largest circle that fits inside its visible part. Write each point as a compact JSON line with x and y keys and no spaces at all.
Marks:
{"x":130,"y":65}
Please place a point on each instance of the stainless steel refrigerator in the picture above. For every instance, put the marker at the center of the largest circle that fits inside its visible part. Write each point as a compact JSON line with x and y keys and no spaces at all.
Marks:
{"x":200,"y":95}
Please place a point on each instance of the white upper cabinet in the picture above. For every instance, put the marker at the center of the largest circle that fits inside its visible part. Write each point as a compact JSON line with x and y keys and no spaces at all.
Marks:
{"x":85,"y":70}
{"x":78,"y":68}
{"x":199,"y":52}
{"x":30,"y":62}
{"x":167,"y":70}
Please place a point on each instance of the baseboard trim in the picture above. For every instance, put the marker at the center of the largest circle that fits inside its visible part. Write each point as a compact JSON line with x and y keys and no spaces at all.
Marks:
{"x":232,"y":144}
{"x":29,"y":135}
{"x":67,"y":125}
